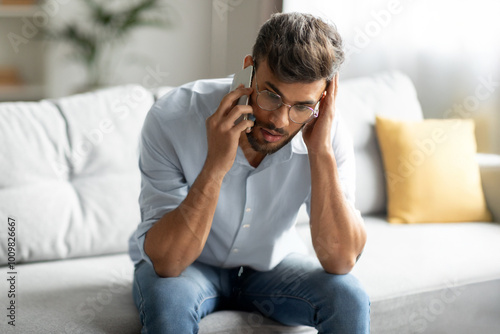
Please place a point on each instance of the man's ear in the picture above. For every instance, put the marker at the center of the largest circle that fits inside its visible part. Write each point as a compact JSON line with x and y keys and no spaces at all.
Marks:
{"x":247,"y":61}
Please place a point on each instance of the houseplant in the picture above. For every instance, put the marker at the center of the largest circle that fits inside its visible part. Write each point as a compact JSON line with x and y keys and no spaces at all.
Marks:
{"x":104,"y":26}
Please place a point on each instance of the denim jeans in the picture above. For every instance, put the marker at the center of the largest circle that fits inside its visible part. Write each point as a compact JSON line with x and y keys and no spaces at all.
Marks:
{"x":296,"y":292}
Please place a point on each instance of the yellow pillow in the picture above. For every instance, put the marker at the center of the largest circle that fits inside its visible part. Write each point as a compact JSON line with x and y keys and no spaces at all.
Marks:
{"x":431,"y":171}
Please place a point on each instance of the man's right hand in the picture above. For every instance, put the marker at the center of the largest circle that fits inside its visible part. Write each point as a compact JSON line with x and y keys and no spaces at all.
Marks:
{"x":222,"y":134}
{"x":177,"y":239}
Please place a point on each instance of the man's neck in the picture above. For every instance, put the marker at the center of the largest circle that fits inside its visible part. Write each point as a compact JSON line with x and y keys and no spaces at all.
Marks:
{"x":254,"y":158}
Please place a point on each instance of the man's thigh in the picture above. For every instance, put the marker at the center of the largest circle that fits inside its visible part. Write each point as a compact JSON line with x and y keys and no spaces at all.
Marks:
{"x":171,"y":304}
{"x":299,"y":292}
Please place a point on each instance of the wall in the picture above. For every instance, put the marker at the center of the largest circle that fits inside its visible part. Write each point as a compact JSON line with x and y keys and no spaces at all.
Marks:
{"x":206,"y":39}
{"x":450,"y":49}
{"x":176,"y":55}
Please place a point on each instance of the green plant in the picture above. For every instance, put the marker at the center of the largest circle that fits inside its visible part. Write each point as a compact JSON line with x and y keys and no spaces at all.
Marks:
{"x":108,"y":23}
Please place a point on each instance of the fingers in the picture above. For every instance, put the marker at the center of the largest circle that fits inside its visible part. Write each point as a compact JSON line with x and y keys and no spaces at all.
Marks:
{"x":331,"y":92}
{"x":237,"y":112}
{"x":229,"y":112}
{"x":230,"y":100}
{"x":245,"y":125}
{"x":222,"y":122}
{"x":336,"y":85}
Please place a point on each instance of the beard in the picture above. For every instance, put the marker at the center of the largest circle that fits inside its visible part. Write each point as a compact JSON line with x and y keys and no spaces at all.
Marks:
{"x":265,"y":147}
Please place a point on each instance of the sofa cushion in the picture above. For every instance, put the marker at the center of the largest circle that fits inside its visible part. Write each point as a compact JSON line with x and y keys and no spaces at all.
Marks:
{"x":431,"y":171}
{"x":94,"y":295}
{"x":432,"y":278}
{"x":429,"y":278}
{"x":389,"y":94}
{"x":71,"y":179}
{"x":489,"y":165}
{"x":416,"y":285}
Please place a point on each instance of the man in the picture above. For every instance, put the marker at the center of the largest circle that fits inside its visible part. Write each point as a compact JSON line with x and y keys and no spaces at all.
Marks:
{"x":219,"y":198}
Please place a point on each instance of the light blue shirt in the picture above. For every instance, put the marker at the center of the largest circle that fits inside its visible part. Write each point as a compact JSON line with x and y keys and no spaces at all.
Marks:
{"x":255,"y":216}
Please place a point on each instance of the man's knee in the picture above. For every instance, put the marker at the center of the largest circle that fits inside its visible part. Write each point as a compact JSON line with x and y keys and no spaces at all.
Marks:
{"x":347,"y":293}
{"x":174,"y":293}
{"x":169,"y":306}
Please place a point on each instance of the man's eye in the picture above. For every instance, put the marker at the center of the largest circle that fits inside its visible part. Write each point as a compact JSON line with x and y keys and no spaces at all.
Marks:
{"x":302,"y":108}
{"x":273,"y":97}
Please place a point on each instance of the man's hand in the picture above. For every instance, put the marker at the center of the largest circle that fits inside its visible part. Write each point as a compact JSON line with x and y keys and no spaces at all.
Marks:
{"x":177,"y":239}
{"x":317,"y":133}
{"x":338,"y":233}
{"x":222,"y":134}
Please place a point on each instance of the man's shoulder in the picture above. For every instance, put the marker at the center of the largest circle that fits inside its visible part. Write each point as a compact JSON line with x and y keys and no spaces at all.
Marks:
{"x":200,"y":97}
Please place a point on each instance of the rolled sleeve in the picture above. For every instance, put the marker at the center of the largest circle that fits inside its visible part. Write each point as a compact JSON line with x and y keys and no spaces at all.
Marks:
{"x":346,"y":165}
{"x":163,"y":186}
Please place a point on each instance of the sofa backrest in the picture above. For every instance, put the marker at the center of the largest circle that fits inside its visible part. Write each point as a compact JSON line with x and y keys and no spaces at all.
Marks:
{"x":389,"y":94}
{"x":69,"y":175}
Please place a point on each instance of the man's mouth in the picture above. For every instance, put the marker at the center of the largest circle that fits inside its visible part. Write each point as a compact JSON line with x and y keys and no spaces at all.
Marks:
{"x":271,"y":136}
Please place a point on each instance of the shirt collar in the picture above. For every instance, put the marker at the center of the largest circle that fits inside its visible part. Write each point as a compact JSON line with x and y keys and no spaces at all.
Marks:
{"x":283,"y":155}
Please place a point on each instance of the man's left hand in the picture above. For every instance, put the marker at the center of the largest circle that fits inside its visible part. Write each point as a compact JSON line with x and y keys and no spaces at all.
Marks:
{"x":317,"y":133}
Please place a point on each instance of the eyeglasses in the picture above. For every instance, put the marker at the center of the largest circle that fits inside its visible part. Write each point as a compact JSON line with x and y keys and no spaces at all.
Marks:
{"x":298,"y":113}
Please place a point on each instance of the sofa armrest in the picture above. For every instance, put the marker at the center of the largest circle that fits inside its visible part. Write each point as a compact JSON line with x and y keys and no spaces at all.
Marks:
{"x":489,"y":165}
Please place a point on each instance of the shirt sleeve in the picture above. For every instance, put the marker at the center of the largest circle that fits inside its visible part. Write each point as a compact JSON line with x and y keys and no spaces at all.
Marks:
{"x":346,"y":165}
{"x":163,"y":186}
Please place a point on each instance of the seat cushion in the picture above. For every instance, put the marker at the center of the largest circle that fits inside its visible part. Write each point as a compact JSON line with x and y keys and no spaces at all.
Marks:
{"x":421,"y":277}
{"x":94,"y":295}
{"x":237,"y":322}
{"x":416,"y":285}
{"x":87,"y":295}
{"x":416,"y":258}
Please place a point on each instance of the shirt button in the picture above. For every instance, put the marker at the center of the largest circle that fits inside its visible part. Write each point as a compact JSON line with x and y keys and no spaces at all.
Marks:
{"x":246,"y":226}
{"x":248,"y":210}
{"x":235,"y":250}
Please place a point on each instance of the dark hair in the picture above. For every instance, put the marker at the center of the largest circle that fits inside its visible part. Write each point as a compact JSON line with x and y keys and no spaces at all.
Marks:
{"x":299,"y":47}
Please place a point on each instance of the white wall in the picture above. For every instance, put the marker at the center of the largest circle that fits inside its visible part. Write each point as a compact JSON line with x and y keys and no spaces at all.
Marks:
{"x":177,"y":54}
{"x":448,"y":48}
{"x":208,"y":38}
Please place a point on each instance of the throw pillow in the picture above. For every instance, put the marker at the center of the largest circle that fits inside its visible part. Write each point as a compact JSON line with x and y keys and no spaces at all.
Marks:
{"x":431,"y":171}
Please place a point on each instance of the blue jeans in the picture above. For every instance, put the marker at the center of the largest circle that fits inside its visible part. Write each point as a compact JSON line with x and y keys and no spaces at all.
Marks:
{"x":296,"y":292}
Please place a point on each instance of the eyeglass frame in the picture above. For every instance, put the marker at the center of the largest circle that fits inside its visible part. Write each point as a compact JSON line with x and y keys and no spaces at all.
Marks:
{"x":314,"y":112}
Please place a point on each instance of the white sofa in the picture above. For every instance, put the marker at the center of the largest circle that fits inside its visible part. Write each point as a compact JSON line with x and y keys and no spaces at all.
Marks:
{"x":69,"y":185}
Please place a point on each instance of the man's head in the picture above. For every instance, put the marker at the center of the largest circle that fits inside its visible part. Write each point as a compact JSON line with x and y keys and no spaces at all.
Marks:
{"x":299,"y":48}
{"x":295,"y":56}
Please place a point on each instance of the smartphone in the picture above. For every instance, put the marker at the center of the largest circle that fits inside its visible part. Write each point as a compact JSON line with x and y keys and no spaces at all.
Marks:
{"x":243,"y":77}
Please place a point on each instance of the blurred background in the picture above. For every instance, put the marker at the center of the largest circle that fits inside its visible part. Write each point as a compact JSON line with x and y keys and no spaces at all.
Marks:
{"x":450,"y":49}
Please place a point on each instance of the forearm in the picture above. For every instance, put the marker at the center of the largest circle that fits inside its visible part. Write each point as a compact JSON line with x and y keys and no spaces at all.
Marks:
{"x":338,"y":233}
{"x":178,"y":238}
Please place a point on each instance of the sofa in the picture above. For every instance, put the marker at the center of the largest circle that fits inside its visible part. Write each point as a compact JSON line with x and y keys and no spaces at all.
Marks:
{"x":69,"y":185}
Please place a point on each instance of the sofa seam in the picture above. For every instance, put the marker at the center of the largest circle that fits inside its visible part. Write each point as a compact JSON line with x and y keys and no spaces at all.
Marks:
{"x":68,"y":136}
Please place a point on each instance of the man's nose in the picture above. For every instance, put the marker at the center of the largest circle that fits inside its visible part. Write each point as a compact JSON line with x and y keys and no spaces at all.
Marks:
{"x":279,"y":117}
